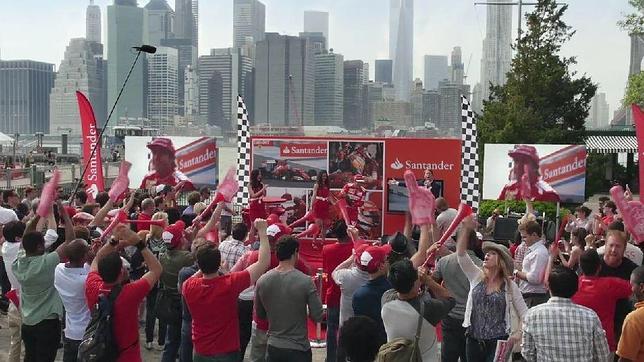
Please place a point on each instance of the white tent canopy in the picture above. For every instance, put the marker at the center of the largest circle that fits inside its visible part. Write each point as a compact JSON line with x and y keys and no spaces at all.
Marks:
{"x":5,"y":140}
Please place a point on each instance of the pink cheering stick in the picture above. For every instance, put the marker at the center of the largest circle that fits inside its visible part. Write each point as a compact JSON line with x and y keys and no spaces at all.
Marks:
{"x":121,"y":182}
{"x":225,"y":192}
{"x":161,"y":223}
{"x":463,"y":212}
{"x":632,"y":212}
{"x":120,"y":217}
{"x":48,"y":195}
{"x":421,"y":201}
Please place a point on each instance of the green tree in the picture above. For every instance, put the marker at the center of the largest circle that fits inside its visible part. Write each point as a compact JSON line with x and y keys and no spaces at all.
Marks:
{"x":543,"y":100}
{"x":634,"y":90}
{"x":634,"y":23}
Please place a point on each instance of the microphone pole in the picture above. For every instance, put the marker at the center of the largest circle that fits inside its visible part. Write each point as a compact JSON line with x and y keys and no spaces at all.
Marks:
{"x":143,"y":48}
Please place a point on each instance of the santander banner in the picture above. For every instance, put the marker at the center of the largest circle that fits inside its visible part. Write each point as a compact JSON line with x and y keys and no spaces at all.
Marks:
{"x":94,"y":174}
{"x":198,"y":160}
{"x":303,"y":150}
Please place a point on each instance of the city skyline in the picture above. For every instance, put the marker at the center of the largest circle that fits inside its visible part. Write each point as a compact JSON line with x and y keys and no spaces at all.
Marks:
{"x":364,"y":37}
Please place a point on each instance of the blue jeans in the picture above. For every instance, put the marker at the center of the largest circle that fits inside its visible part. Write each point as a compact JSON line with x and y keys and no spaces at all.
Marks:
{"x":332,"y":322}
{"x":172,"y":342}
{"x":453,"y":346}
{"x":185,"y":350}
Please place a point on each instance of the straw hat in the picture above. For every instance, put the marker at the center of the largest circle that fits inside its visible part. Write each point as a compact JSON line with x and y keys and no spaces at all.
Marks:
{"x":502,"y":251}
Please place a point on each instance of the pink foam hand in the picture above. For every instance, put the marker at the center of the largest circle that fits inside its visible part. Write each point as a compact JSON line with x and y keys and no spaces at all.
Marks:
{"x":121,"y":183}
{"x":228,"y":187}
{"x":48,"y":195}
{"x":526,"y":189}
{"x":120,"y":217}
{"x":632,"y":212}
{"x":421,"y":201}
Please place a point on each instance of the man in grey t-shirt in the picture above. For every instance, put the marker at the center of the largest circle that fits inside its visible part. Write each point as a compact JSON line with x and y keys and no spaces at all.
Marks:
{"x":282,"y":296}
{"x":448,"y":271}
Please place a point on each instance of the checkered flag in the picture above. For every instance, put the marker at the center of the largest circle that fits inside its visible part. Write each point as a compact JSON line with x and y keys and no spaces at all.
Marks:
{"x":470,"y":157}
{"x":243,"y":148}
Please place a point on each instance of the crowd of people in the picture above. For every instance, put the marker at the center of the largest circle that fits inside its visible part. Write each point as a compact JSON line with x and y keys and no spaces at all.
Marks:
{"x":201,"y":287}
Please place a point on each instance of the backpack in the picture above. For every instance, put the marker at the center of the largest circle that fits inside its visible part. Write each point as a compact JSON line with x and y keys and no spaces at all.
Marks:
{"x":98,"y":344}
{"x":402,"y":349}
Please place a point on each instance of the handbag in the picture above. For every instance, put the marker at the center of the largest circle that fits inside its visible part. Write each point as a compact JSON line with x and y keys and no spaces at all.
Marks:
{"x":168,"y":306}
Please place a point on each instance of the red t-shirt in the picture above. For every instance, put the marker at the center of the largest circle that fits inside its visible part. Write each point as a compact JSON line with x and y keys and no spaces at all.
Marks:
{"x":332,"y":256}
{"x":601,"y":294}
{"x":143,"y":217}
{"x":213,"y":306}
{"x":126,"y":313}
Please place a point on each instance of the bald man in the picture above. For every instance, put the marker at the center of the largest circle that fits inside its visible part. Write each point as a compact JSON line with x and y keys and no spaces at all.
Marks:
{"x":69,"y":280}
{"x":445,"y":216}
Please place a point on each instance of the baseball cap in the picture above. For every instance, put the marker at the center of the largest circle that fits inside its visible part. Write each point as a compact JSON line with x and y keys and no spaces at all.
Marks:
{"x":373,"y":257}
{"x":526,"y":151}
{"x":161,"y":143}
{"x":172,"y":234}
{"x":276,"y":231}
{"x":7,"y":215}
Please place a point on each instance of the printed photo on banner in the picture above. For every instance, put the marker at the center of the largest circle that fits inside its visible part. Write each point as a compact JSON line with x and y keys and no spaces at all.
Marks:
{"x":289,"y":163}
{"x":348,"y":159}
{"x":550,"y":173}
{"x":194,"y":157}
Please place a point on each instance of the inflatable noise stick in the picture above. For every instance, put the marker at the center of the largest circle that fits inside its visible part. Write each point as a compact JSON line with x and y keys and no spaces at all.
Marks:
{"x":225,"y":192}
{"x":463,"y":212}
{"x":48,"y":195}
{"x":120,"y":217}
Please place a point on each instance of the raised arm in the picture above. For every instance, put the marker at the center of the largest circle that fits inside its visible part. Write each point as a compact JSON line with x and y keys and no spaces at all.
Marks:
{"x":259,"y":267}
{"x":471,"y":271}
{"x":423,"y":245}
{"x":99,"y":218}
{"x":69,"y":230}
{"x":212,"y":222}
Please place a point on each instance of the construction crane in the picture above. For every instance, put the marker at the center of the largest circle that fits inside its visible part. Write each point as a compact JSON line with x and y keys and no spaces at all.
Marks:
{"x":296,"y":109}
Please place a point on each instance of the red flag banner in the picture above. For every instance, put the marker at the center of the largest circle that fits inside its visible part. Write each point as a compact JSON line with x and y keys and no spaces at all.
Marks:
{"x":94,"y":174}
{"x":638,"y":119}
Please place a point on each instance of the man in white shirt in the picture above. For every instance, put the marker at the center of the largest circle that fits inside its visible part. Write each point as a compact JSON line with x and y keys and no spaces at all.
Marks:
{"x":69,"y":280}
{"x":531,"y":277}
{"x":12,"y":233}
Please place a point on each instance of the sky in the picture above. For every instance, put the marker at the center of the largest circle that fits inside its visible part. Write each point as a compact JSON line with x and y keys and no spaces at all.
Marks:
{"x":358,"y":29}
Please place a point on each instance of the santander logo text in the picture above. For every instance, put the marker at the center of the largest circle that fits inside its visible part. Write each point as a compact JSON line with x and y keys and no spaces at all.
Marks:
{"x":396,"y":165}
{"x":303,"y":150}
{"x":411,"y":165}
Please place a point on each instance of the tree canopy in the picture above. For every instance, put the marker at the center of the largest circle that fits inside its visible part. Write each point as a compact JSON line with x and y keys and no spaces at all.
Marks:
{"x":543,"y":100}
{"x":634,"y":23}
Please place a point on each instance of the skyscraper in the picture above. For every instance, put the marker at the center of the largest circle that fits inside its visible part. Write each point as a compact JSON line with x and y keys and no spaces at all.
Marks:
{"x":249,"y":22}
{"x":191,"y":93}
{"x":497,"y":47}
{"x":401,"y":46}
{"x":316,"y":42}
{"x":124,"y":30}
{"x":159,"y":22}
{"x":93,"y":22}
{"x":599,"y":112}
{"x":450,"y":107}
{"x":317,"y":22}
{"x":24,"y":96}
{"x":222,"y":76}
{"x":186,"y":20}
{"x":384,"y":70}
{"x":329,"y":89}
{"x":457,"y":68}
{"x":435,"y":70}
{"x":416,"y":100}
{"x":284,"y":81}
{"x":163,"y":87}
{"x":432,"y":106}
{"x":81,"y":69}
{"x":354,"y":90}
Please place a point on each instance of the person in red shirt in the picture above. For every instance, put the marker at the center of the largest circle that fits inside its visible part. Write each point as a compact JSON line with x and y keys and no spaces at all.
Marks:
{"x":256,"y":207}
{"x":355,"y":195}
{"x":164,"y":168}
{"x":321,"y":204}
{"x":332,"y":256}
{"x":600,"y":293}
{"x":601,"y":222}
{"x":107,"y":271}
{"x":211,"y":299}
{"x":147,"y":210}
{"x":523,"y":155}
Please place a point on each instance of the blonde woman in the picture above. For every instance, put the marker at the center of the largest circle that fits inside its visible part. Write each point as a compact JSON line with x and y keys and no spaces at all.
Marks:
{"x":156,"y":244}
{"x":155,"y":241}
{"x":492,"y":299}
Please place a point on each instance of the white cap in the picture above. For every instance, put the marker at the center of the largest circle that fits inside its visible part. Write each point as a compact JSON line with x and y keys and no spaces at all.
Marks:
{"x":7,"y":216}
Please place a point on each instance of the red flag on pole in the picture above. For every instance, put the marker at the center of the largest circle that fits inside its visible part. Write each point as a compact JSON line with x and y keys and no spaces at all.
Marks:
{"x":638,"y":119}
{"x":94,"y":175}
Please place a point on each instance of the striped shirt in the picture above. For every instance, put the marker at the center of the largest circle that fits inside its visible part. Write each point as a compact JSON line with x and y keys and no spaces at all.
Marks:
{"x":560,"y":330}
{"x":231,"y":250}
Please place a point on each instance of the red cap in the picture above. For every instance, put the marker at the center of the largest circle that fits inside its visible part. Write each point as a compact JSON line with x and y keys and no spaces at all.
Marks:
{"x":173,"y":234}
{"x":272,"y":219}
{"x":71,"y":211}
{"x":373,"y":257}
{"x":276,"y":231}
{"x":357,"y":251}
{"x":161,"y":143}
{"x":526,"y":151}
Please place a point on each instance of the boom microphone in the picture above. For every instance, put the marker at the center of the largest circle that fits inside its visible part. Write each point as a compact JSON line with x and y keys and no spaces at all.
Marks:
{"x":146,"y":49}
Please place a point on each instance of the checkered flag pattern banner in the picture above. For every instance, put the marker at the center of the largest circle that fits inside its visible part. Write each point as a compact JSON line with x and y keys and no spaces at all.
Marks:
{"x":243,"y":148}
{"x":470,"y":157}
